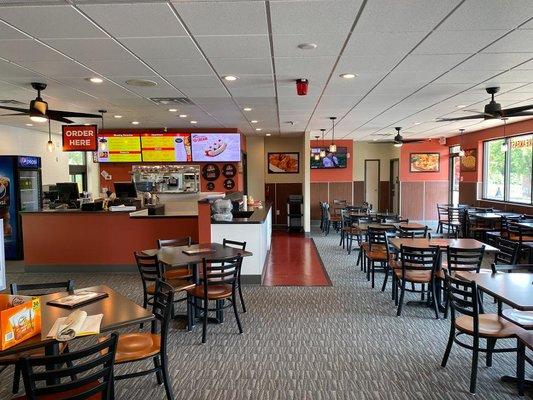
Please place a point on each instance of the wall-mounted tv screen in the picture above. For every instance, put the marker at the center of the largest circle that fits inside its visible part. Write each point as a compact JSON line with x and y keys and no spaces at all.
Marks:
{"x":338,"y":159}
{"x":119,"y":147}
{"x":216,"y":147}
{"x":166,"y":147}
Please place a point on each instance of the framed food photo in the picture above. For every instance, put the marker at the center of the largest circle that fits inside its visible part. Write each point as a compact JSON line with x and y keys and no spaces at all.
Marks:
{"x":424,"y":162}
{"x":283,"y":163}
{"x":469,"y":161}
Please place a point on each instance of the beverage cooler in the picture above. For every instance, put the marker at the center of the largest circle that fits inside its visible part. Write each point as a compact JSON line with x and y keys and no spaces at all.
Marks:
{"x":20,"y":190}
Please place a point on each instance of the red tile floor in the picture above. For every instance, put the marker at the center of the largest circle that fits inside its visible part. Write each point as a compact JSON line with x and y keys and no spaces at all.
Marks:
{"x":294,"y":261}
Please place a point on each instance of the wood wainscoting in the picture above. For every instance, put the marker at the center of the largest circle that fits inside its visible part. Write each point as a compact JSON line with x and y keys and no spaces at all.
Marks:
{"x":419,"y":199}
{"x":277,"y":194}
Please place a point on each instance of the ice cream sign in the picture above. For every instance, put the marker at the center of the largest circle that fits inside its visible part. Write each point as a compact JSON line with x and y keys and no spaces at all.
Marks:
{"x":213,"y":147}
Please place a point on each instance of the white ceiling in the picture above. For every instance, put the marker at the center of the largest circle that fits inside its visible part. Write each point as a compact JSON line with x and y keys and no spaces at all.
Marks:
{"x":416,"y":61}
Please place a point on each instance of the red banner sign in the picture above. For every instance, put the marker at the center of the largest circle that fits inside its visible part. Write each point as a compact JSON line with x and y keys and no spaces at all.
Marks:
{"x":79,"y":137}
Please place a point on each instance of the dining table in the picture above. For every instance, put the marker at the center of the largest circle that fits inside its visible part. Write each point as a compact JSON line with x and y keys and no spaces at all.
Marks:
{"x":411,"y":226}
{"x":493,"y":216}
{"x":512,"y":288}
{"x":462,"y":243}
{"x":527,"y":225}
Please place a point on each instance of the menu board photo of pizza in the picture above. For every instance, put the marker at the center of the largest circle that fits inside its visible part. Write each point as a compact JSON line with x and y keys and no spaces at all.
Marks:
{"x":216,"y":147}
{"x":166,"y":147}
{"x":119,"y":147}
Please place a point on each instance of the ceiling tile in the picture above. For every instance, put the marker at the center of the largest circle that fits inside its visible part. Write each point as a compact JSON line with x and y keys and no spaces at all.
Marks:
{"x":58,"y":69}
{"x":180,"y":66}
{"x":135,"y":20}
{"x":454,"y":42}
{"x":27,"y":50}
{"x":235,"y":46}
{"x":195,"y":81}
{"x":6,"y":32}
{"x":130,"y":67}
{"x":223,"y":18}
{"x":50,"y":22}
{"x":242,"y":66}
{"x":328,"y":44}
{"x":90,"y":49}
{"x":519,"y":41}
{"x":162,"y":47}
{"x":494,"y":62}
{"x":382,"y":43}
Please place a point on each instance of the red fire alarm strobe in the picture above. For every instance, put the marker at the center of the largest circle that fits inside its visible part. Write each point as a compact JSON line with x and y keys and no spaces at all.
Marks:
{"x":301,"y":86}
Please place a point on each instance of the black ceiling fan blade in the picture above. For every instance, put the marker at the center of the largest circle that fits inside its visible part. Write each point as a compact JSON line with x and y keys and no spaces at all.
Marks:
{"x":521,"y":114}
{"x":21,"y":110}
{"x":413,"y":140}
{"x":13,"y":114}
{"x":61,"y":119}
{"x":62,"y":114}
{"x":509,"y":112}
{"x":478,"y":116}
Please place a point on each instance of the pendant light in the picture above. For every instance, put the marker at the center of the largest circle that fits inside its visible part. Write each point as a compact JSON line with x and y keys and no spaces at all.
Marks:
{"x":504,"y":147}
{"x":322,"y":149}
{"x":316,"y":156}
{"x":461,"y":150}
{"x":333,"y":146}
{"x":50,"y":145}
{"x":103,"y":145}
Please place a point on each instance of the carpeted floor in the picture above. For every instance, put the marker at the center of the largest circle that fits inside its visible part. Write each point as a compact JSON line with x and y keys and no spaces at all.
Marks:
{"x":339,"y":342}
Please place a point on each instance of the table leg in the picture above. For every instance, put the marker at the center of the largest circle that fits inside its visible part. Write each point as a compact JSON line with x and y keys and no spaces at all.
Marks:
{"x":52,"y":349}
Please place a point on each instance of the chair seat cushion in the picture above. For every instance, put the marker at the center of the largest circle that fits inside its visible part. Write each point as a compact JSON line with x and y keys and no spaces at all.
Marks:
{"x":412,"y":275}
{"x":214,"y":292}
{"x":490,"y":325}
{"x":335,"y":218}
{"x":178,"y":273}
{"x":68,"y":394}
{"x":136,"y":346}
{"x":353,"y":230}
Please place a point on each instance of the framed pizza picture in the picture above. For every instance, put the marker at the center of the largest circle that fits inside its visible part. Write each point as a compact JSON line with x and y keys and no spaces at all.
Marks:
{"x":283,"y":163}
{"x":424,"y":162}
{"x":469,"y":161}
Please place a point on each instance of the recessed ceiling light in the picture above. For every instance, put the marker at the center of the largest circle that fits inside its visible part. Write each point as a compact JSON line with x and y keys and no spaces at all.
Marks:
{"x":117,"y":116}
{"x":417,"y":123}
{"x":135,"y":122}
{"x":231,"y":78}
{"x":95,"y":79}
{"x":29,"y":124}
{"x":183,"y":115}
{"x":173,"y":109}
{"x":194,"y":122}
{"x":348,"y":76}
{"x":375,"y":139}
{"x":258,"y":129}
{"x":86,"y":124}
{"x":141,"y":82}
{"x":268,"y":134}
{"x":254,"y":121}
{"x":247,"y":109}
{"x":460,"y":106}
{"x":307,"y":46}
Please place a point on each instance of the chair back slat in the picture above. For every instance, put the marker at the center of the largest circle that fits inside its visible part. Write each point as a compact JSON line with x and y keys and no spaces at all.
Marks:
{"x":417,"y":258}
{"x":463,"y":298}
{"x":177,"y":242}
{"x":148,"y":266}
{"x":94,"y":363}
{"x":465,"y":259}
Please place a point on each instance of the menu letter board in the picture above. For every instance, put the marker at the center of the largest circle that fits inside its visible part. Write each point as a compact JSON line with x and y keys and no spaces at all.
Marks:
{"x":79,"y":137}
{"x":215,"y":147}
{"x":166,"y":147}
{"x":119,"y":147}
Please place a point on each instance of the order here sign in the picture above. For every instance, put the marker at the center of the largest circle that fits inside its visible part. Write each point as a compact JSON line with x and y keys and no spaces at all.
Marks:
{"x":79,"y":138}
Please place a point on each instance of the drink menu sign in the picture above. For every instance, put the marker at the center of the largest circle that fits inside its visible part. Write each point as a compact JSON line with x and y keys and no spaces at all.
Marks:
{"x":166,"y":147}
{"x":119,"y":147}
{"x":79,"y":137}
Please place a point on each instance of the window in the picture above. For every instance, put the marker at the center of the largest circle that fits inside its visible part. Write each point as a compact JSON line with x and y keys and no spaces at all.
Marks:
{"x":508,"y":169}
{"x":77,"y":164}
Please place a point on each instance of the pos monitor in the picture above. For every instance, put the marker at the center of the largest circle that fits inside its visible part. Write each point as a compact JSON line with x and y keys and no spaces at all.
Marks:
{"x":125,"y":190}
{"x":67,"y":191}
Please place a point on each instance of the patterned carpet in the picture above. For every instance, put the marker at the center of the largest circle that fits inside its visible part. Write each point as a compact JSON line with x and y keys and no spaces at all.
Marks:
{"x":315,"y":343}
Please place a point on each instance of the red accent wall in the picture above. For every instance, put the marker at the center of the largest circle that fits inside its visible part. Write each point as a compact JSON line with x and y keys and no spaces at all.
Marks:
{"x":432,"y":146}
{"x":338,"y":174}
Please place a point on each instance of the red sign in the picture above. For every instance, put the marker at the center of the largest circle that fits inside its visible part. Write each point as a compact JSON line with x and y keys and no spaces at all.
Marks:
{"x":79,"y":137}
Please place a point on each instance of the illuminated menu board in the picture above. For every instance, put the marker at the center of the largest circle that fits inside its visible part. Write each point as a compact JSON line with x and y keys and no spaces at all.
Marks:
{"x":119,"y":147}
{"x":163,"y":147}
{"x":216,"y":147}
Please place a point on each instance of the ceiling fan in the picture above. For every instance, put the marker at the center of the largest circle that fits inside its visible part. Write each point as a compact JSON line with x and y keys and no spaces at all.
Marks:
{"x":39,"y":111}
{"x":398,"y":140}
{"x":494,"y":110}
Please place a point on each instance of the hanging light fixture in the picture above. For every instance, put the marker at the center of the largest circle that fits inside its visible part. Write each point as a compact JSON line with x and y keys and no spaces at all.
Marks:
{"x":461,"y":150}
{"x":504,"y":147}
{"x":50,"y":145}
{"x":333,"y":146}
{"x":103,"y":144}
{"x":316,"y":156}
{"x":322,"y":149}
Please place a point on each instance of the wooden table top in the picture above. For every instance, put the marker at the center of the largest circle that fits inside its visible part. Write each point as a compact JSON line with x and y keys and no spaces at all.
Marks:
{"x":494,"y":215}
{"x":384,"y":226}
{"x":118,"y":310}
{"x":457,"y":243}
{"x":175,"y":257}
{"x":512,"y":288}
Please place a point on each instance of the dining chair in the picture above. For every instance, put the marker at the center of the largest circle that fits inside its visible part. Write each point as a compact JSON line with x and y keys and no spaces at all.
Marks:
{"x":240,"y":246}
{"x":417,"y":266}
{"x":413,"y":233}
{"x":524,"y":339}
{"x":375,"y":250}
{"x":93,"y":367}
{"x":361,"y":238}
{"x":33,"y":289}
{"x":349,"y":231}
{"x":150,"y":271}
{"x":454,"y":223}
{"x":442,"y":212}
{"x":508,"y":251}
{"x":138,"y":346}
{"x":464,"y":300}
{"x":218,"y":283}
{"x":330,"y":219}
{"x":183,"y":272}
{"x":522,"y":235}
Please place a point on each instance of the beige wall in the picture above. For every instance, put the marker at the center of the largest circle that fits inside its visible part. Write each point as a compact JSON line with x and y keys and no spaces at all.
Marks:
{"x":368,"y":150}
{"x":255,"y":150}
{"x":284,"y":144}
